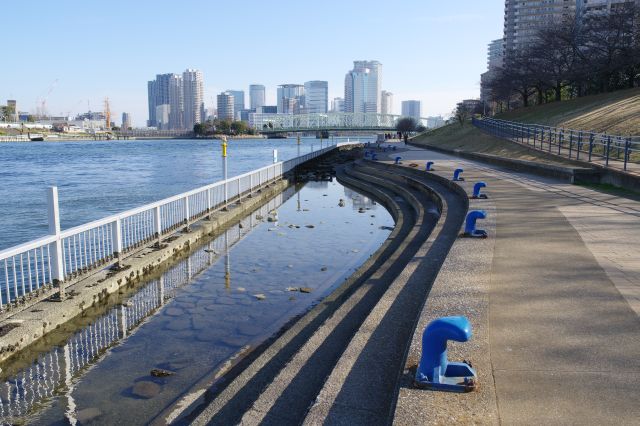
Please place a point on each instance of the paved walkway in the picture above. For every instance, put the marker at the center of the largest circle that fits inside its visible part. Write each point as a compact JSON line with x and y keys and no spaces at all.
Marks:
{"x":563,"y":290}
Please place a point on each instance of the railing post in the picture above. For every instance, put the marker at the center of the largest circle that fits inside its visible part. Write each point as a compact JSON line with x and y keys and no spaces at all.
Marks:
{"x":627,"y":145}
{"x":579,"y":145}
{"x":116,"y":238}
{"x":591,"y":137}
{"x":570,"y":142}
{"x":186,"y":212}
{"x":157,"y":224}
{"x":57,"y":268}
{"x":606,"y":160}
{"x":560,"y":140}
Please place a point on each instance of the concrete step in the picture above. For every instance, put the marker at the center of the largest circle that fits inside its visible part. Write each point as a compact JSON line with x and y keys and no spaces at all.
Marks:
{"x":343,"y":358}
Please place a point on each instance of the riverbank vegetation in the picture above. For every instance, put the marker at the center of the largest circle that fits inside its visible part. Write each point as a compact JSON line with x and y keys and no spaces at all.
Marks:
{"x":222,"y":127}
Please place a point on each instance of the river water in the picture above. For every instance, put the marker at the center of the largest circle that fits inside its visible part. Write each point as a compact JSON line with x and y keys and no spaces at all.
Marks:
{"x":96,"y":179}
{"x":226,"y":297}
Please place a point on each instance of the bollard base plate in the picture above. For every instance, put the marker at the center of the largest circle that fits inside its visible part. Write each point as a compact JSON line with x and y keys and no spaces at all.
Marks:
{"x":459,"y":377}
{"x":479,"y":197}
{"x":458,"y":179}
{"x":452,"y":384}
{"x":478,"y":233}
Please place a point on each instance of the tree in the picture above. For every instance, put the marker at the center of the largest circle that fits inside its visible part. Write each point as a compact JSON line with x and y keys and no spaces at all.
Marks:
{"x":198,"y":129}
{"x":239,"y":127}
{"x":406,"y":125}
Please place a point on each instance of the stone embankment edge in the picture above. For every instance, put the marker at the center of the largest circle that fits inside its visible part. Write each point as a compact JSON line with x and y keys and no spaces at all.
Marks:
{"x":566,"y":174}
{"x":94,"y":290}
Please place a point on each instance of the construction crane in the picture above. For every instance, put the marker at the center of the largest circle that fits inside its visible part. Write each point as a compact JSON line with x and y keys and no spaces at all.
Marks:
{"x":107,"y":114}
{"x":43,"y":102}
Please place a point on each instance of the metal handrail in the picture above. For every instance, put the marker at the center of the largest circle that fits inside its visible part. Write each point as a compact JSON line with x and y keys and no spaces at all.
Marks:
{"x":65,"y":254}
{"x":575,"y":144}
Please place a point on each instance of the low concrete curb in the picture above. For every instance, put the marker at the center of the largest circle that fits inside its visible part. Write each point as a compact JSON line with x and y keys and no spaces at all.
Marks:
{"x":578,"y":174}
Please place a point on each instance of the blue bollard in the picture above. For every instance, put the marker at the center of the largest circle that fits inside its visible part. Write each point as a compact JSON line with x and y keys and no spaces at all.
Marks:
{"x":434,"y":370}
{"x":429,"y":166}
{"x":456,"y":175}
{"x":470,"y":224}
{"x":398,"y":160}
{"x":366,"y":153}
{"x":476,"y":190}
{"x":374,"y":156}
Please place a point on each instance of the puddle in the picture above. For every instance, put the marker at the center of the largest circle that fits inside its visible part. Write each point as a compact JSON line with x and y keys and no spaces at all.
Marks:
{"x":236,"y":291}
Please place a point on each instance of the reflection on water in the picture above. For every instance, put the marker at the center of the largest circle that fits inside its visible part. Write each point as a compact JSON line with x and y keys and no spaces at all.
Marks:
{"x":54,"y":373}
{"x":239,"y":293}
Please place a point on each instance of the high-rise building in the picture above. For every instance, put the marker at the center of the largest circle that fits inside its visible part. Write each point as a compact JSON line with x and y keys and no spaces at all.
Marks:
{"x":256,"y":96}
{"x":316,"y":96}
{"x":193,"y":95}
{"x":126,"y":121}
{"x":176,"y":102}
{"x":166,"y":89}
{"x":267,"y":109}
{"x":226,"y":106}
{"x":337,"y":105}
{"x":362,"y":87}
{"x":162,"y":116}
{"x":386,"y":102}
{"x":495,"y":61}
{"x":238,"y":102}
{"x":524,"y":18}
{"x":290,"y":98}
{"x":596,"y":8}
{"x":411,"y":109}
{"x":151,"y":99}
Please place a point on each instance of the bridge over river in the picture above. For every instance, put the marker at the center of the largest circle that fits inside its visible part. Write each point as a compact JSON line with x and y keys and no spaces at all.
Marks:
{"x":332,"y":121}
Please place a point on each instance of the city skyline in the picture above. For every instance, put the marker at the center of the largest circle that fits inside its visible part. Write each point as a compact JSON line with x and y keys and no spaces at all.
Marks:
{"x":435,"y":56}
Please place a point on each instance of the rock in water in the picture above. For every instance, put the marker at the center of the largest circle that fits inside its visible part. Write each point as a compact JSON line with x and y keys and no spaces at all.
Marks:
{"x":324,"y":268}
{"x":145,"y":389}
{"x":292,"y":288}
{"x":260,"y":296}
{"x":306,"y":289}
{"x":88,"y":414}
{"x":159,"y":372}
{"x":341,"y":203}
{"x":310,"y":226}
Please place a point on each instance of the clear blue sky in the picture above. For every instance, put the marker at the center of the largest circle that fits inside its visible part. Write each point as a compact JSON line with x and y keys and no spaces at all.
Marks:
{"x":431,"y":50}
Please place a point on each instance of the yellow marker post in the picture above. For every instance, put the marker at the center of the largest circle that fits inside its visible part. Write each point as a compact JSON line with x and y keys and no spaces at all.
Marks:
{"x":224,"y":169}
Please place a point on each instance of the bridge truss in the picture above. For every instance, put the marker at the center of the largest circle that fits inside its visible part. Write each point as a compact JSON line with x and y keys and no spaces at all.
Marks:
{"x":280,"y":123}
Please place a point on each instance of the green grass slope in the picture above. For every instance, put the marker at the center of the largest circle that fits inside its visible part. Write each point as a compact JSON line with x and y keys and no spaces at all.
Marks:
{"x":615,"y":113}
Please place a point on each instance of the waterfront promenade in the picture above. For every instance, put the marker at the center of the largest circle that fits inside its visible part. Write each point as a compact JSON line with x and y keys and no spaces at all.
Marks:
{"x":553,"y":296}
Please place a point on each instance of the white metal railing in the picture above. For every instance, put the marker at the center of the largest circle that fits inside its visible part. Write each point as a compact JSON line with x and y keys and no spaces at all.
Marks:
{"x":54,"y":372}
{"x":66,"y":254}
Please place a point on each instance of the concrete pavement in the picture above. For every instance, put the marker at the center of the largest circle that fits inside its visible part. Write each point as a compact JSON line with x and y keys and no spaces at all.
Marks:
{"x":553,"y":298}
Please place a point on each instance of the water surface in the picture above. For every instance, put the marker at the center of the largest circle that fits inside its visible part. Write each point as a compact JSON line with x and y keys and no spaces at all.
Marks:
{"x":99,"y":178}
{"x":234,"y":292}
